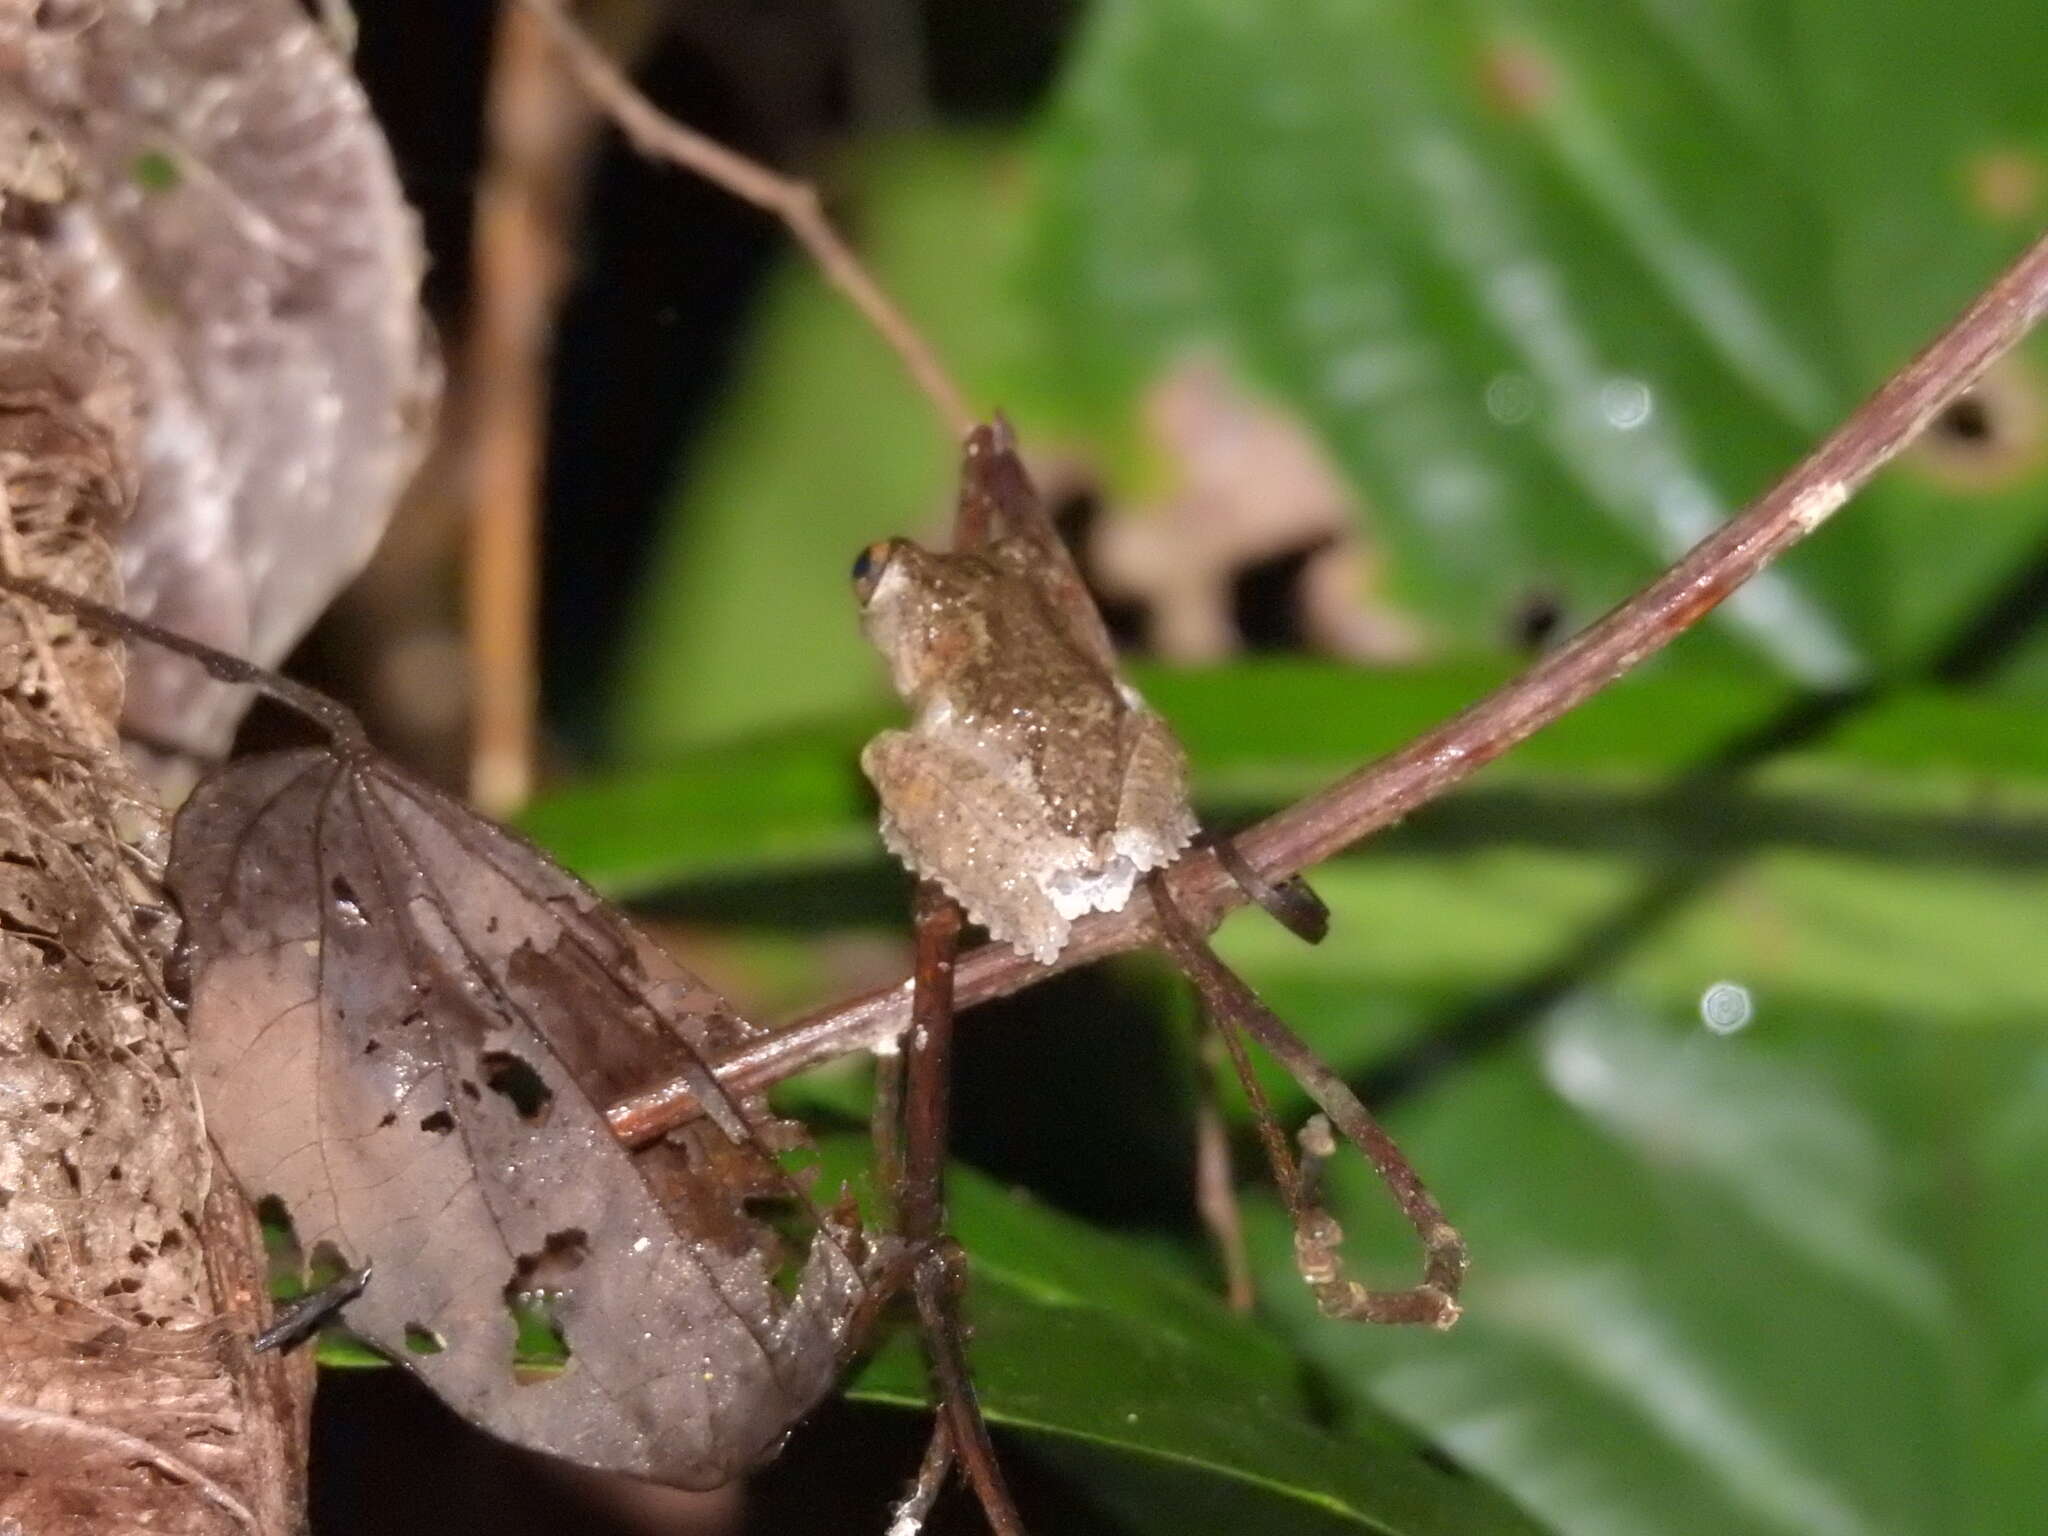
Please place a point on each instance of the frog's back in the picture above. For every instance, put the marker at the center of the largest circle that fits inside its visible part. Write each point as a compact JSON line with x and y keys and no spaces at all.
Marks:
{"x":1048,"y":701}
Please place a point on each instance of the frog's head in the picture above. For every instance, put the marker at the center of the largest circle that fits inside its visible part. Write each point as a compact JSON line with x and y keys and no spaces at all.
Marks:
{"x":922,"y":609}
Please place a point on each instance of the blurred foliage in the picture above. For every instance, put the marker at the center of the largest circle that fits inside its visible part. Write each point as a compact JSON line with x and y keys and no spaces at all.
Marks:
{"x":1563,"y":284}
{"x":1559,"y":286}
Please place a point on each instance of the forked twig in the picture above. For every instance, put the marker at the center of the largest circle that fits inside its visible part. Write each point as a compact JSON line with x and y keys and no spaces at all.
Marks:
{"x":938,"y":1277}
{"x":1395,"y":786}
{"x":657,"y":135}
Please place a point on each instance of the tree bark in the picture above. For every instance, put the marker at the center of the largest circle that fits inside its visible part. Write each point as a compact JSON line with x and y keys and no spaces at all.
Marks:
{"x":130,"y":1274}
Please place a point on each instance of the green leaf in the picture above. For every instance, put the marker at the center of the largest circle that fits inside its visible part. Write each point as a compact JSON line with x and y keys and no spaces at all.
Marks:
{"x":1563,"y":284}
{"x":1779,"y":1280}
{"x":1753,"y":1284}
{"x":1095,"y":1342}
{"x":1920,"y":775}
{"x":750,"y":807}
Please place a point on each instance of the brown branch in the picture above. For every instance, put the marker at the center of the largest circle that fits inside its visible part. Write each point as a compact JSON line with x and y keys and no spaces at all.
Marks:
{"x":1385,"y":791}
{"x":657,"y":135}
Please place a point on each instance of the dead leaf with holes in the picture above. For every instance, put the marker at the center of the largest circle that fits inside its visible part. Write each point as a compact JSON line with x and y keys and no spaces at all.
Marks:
{"x":405,"y":1021}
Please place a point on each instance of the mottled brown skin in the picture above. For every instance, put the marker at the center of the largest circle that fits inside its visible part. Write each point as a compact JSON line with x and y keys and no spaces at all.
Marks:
{"x":1032,"y":784}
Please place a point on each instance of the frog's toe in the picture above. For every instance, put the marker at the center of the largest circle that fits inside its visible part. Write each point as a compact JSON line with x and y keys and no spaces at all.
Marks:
{"x":1039,"y":934}
{"x":1145,"y":849}
{"x":1104,"y":887}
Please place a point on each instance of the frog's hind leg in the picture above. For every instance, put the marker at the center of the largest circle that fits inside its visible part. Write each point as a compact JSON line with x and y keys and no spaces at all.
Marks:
{"x":1154,"y":821}
{"x":947,"y":808}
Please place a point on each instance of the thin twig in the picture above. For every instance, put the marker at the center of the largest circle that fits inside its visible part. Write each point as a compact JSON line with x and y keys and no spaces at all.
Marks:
{"x":657,"y":135}
{"x":1395,"y":786}
{"x":537,"y":125}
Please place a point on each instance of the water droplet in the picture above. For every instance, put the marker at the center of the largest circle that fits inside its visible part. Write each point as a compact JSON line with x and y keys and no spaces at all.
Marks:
{"x":1625,"y":404}
{"x":1726,"y":1006}
{"x":1510,"y":398}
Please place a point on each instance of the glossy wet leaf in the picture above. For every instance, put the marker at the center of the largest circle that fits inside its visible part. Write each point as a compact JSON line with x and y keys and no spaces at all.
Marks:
{"x":1777,"y":1280}
{"x":405,"y":1023}
{"x":1737,"y":1285}
{"x":1563,"y":284}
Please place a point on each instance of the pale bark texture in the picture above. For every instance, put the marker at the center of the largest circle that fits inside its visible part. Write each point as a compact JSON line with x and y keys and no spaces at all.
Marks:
{"x":211,"y":379}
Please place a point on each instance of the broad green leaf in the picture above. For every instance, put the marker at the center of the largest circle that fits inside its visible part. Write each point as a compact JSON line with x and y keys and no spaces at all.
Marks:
{"x":1419,"y":935}
{"x":1084,"y":1338}
{"x":1777,"y":1282}
{"x":1919,"y":775}
{"x":1562,"y":284}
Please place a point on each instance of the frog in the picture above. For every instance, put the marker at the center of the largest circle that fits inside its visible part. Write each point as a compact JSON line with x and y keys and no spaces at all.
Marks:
{"x":1032,"y":784}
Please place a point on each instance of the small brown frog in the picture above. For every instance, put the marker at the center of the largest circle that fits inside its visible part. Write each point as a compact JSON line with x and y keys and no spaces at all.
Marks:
{"x":1033,"y":784}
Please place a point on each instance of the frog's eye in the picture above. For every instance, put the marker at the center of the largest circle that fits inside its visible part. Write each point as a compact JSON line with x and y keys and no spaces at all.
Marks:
{"x":867,"y":569}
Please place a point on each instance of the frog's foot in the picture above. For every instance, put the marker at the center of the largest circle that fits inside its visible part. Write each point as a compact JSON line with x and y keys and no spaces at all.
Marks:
{"x":1092,"y":887}
{"x":1154,"y":822}
{"x":1027,"y":919}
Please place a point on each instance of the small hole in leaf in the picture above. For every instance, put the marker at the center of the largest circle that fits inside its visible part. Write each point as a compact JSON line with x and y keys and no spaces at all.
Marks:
{"x":540,"y":1350}
{"x":513,"y":1078}
{"x":789,"y":1219}
{"x":325,"y":1265}
{"x":155,"y":171}
{"x":346,"y":906}
{"x":561,"y":1255}
{"x":440,"y":1122}
{"x":372,"y":1046}
{"x":1964,"y":421}
{"x":1077,"y":511}
{"x":390,"y":1118}
{"x":1993,"y":437}
{"x":283,"y":1258}
{"x":1535,"y":621}
{"x":1266,"y":597}
{"x":422,"y":1340}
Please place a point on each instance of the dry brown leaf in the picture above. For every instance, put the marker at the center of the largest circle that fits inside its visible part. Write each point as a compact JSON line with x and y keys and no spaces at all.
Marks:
{"x":235,"y":229}
{"x":405,"y":1023}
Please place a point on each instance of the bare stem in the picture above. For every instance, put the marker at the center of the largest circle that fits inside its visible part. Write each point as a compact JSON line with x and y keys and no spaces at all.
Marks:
{"x":1395,"y":786}
{"x":536,"y":127}
{"x":657,"y":135}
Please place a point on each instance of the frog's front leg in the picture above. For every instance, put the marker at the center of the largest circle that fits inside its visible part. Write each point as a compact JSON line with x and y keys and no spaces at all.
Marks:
{"x":980,"y":831}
